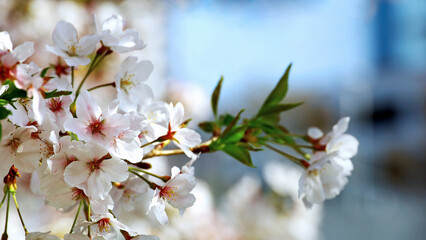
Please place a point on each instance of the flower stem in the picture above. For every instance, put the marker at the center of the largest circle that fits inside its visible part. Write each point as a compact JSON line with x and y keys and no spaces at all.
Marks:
{"x":201,"y":148}
{"x":152,"y":185}
{"x":19,"y":212}
{"x":88,"y":219}
{"x":288,"y":156}
{"x":72,"y":76}
{"x":76,"y":215}
{"x":163,"y":178}
{"x":87,"y":214}
{"x":95,"y":62}
{"x":4,"y":198}
{"x":101,"y":86}
{"x":5,"y":236}
{"x":149,"y":143}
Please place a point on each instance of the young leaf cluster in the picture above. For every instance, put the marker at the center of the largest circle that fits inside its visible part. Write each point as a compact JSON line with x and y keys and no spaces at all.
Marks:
{"x":238,"y":138}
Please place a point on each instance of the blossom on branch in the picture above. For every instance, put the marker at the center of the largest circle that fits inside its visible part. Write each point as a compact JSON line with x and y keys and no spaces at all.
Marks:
{"x":176,"y":191}
{"x":116,"y":38}
{"x":330,"y":165}
{"x":70,"y":47}
{"x":93,"y":171}
{"x":128,"y":81}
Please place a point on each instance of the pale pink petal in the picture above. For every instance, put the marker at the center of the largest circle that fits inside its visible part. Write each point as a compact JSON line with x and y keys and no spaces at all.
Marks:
{"x":98,"y":185}
{"x":23,"y":51}
{"x":76,"y":173}
{"x":87,"y":108}
{"x":115,"y":170}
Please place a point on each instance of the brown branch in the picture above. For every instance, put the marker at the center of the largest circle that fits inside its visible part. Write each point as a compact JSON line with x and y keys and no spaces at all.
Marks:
{"x":201,"y":148}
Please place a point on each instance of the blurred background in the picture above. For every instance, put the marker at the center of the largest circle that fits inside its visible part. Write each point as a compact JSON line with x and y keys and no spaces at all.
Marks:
{"x":360,"y":58}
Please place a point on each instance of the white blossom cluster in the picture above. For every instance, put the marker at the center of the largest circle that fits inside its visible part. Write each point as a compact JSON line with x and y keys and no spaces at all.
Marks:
{"x":330,"y":165}
{"x":80,"y":152}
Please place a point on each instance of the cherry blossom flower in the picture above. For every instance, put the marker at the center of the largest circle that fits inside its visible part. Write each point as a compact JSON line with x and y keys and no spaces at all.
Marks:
{"x":19,"y":148}
{"x":93,"y":126}
{"x":93,"y":172}
{"x":27,"y":78}
{"x":182,"y":137}
{"x":324,"y":178}
{"x":176,"y":191}
{"x":337,"y":140}
{"x":9,"y":57}
{"x":106,"y":226}
{"x":126,"y":144}
{"x":126,"y":194}
{"x":330,"y":164}
{"x":68,"y":46}
{"x":128,"y":81}
{"x":116,"y":38}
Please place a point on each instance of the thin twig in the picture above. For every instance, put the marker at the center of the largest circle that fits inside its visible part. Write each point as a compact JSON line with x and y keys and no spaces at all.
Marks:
{"x":76,"y":215}
{"x":201,"y":148}
{"x":19,"y":213}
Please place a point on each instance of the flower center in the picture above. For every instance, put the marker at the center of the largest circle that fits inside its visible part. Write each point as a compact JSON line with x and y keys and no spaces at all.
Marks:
{"x":95,"y":164}
{"x":14,"y":144}
{"x":126,"y":83}
{"x":78,"y":194}
{"x":104,"y":225}
{"x":69,"y":159}
{"x":72,"y":49}
{"x":55,"y":104}
{"x":168,"y":193}
{"x":96,"y":126}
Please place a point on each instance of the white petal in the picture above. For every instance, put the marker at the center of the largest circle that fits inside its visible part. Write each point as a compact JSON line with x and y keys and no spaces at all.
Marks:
{"x":87,"y":108}
{"x":114,"y":24}
{"x":98,"y":185}
{"x":341,"y":126}
{"x":23,"y":51}
{"x":5,"y":42}
{"x":77,"y":61}
{"x":79,"y":127}
{"x":76,"y":173}
{"x":64,"y":33}
{"x":315,"y":133}
{"x":187,"y":137}
{"x":115,"y":170}
{"x":346,"y":145}
{"x":87,"y":45}
{"x":159,"y":209}
{"x":57,"y":51}
{"x":143,"y":70}
{"x":176,"y":115}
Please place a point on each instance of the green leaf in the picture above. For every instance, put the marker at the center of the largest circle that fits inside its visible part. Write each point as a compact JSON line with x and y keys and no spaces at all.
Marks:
{"x":225,"y":119}
{"x":207,"y":126}
{"x":13,"y":92}
{"x":279,"y":92}
{"x":3,"y":102}
{"x":44,"y":71}
{"x":277,"y":109}
{"x":56,"y":93}
{"x":240,"y":153}
{"x":215,"y":96}
{"x":4,"y":113}
{"x":235,"y":135}
{"x":232,"y":124}
{"x":249,"y":147}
